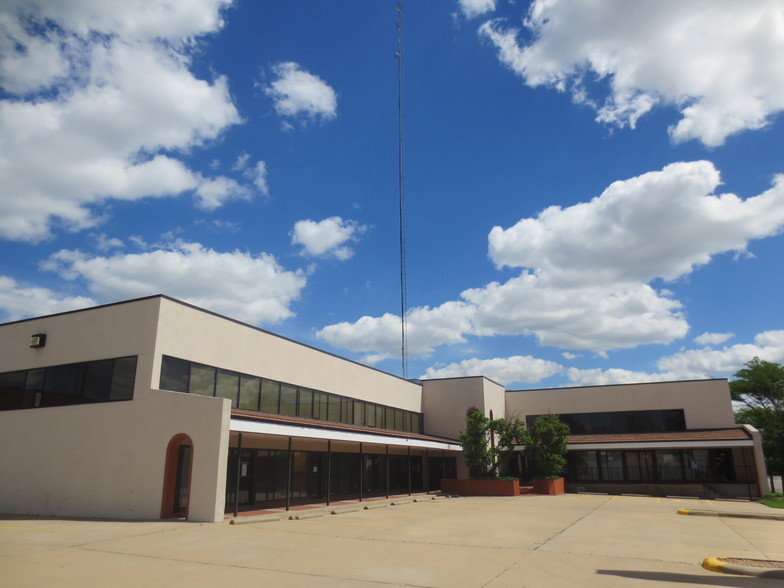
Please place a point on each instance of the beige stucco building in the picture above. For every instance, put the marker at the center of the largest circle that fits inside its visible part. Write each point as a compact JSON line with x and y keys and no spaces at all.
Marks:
{"x":154,"y":408}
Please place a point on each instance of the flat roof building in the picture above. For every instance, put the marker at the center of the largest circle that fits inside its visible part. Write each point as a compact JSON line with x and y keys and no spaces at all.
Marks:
{"x":154,"y":408}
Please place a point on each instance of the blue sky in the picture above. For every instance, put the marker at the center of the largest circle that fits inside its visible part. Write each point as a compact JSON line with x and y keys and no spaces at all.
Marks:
{"x":592,"y":189}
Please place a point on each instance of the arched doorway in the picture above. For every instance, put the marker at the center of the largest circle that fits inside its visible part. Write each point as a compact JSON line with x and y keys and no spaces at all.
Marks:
{"x":177,"y":477}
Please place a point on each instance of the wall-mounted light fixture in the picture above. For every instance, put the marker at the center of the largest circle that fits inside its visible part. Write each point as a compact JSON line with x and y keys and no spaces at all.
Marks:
{"x":38,"y":341}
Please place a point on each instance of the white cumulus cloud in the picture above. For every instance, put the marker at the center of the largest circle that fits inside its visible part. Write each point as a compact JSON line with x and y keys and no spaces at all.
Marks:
{"x":586,"y":270}
{"x":108,"y":114}
{"x":254,"y":289}
{"x":327,"y":238}
{"x":297,"y":93}
{"x":659,"y":224}
{"x":714,"y":61}
{"x":713,"y":338}
{"x":474,"y":8}
{"x":18,"y":301}
{"x":504,"y":370}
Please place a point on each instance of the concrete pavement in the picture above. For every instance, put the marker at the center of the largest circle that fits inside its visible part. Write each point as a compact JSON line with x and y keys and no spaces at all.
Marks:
{"x":569,"y":540}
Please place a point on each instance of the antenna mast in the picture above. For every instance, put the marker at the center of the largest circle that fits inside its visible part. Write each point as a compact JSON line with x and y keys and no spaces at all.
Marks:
{"x":401,"y":178}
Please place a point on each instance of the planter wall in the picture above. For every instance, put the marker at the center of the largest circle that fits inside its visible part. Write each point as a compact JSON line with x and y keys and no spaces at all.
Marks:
{"x":549,"y":486}
{"x":481,"y":487}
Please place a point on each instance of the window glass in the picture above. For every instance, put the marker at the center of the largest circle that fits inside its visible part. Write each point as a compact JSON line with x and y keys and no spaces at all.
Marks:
{"x":583,"y":465}
{"x":611,"y":464}
{"x":123,"y":378}
{"x":334,"y":408}
{"x":380,"y":416}
{"x":418,"y":426}
{"x":620,"y":424}
{"x":202,"y":380}
{"x":288,"y":400}
{"x":320,"y":405}
{"x":174,"y":374}
{"x":359,"y":412}
{"x":249,"y":392}
{"x":675,"y":420}
{"x":601,"y":423}
{"x":61,"y":384}
{"x":270,"y":396}
{"x":98,"y":381}
{"x":305,"y":403}
{"x":346,"y":410}
{"x":668,"y":464}
{"x":227,"y":386}
{"x":407,"y":427}
{"x":389,"y":417}
{"x":370,"y":411}
{"x":12,"y":390}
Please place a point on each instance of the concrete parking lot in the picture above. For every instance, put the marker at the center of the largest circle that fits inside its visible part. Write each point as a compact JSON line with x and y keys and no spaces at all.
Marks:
{"x":569,"y":540}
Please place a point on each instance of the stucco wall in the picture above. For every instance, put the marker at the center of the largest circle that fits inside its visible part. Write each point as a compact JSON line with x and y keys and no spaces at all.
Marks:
{"x":199,"y":336}
{"x":107,"y":460}
{"x":99,"y":333}
{"x":446,"y":401}
{"x":706,"y":403}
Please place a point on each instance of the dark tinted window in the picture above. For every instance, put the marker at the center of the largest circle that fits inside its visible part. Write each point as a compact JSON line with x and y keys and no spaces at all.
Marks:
{"x":175,"y":374}
{"x":88,"y":382}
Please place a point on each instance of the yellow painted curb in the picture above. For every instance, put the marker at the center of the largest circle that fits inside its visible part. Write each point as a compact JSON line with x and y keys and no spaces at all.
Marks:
{"x":683,"y":511}
{"x":714,"y":564}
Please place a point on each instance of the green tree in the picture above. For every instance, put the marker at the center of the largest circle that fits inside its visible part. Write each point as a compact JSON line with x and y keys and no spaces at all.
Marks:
{"x":771,"y":425}
{"x":547,"y":445}
{"x":483,"y":455}
{"x":760,"y":387}
{"x":759,"y":384}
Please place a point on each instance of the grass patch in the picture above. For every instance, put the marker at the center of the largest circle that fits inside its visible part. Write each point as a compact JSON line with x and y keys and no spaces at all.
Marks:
{"x":774,"y":500}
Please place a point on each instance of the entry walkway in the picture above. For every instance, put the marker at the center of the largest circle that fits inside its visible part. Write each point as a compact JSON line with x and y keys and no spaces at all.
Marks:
{"x":568,"y":540}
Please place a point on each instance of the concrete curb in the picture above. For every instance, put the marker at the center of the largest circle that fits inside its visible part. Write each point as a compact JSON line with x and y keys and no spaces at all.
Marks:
{"x":302,"y":515}
{"x":267,"y":518}
{"x":715,"y":564}
{"x":736,"y":515}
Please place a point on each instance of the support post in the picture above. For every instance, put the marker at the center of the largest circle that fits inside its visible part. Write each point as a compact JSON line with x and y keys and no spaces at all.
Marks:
{"x":288,"y":479}
{"x":329,"y":468}
{"x":361,"y":471}
{"x":409,"y":470}
{"x":237,"y":485}
{"x":386,"y":470}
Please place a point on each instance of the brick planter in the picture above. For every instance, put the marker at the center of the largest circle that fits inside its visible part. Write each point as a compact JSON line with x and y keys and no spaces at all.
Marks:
{"x":549,"y":486}
{"x":481,"y":487}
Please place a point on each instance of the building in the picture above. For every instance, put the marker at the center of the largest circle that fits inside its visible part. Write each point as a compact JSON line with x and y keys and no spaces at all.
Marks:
{"x":154,"y":408}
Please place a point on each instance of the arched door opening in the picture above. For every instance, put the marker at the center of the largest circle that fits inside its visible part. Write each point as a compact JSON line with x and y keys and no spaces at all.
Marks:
{"x":177,"y":477}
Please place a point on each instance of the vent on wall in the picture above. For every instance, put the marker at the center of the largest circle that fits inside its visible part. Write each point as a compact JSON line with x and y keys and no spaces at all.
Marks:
{"x":37,"y":341}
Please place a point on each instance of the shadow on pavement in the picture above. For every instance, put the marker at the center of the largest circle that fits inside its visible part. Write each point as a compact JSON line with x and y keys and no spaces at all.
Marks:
{"x":715,"y":580}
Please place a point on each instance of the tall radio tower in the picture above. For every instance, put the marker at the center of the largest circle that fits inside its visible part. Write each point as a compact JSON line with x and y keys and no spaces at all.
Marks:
{"x":401,"y":183}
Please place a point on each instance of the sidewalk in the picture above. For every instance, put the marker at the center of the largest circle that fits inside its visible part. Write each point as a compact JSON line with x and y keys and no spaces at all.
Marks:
{"x":568,"y":540}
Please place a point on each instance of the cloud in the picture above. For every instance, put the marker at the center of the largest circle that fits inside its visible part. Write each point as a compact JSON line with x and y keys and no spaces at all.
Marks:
{"x":506,"y":370}
{"x":108,"y":116}
{"x":259,"y":177}
{"x":600,"y":377}
{"x":713,"y":338}
{"x":215,"y":192}
{"x":302,"y":95}
{"x":380,"y":337}
{"x":326,"y":238}
{"x":18,"y":302}
{"x":660,"y":224}
{"x":253,"y":289}
{"x":586,"y":270}
{"x":713,"y":61}
{"x":474,"y":8}
{"x":708,"y":362}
